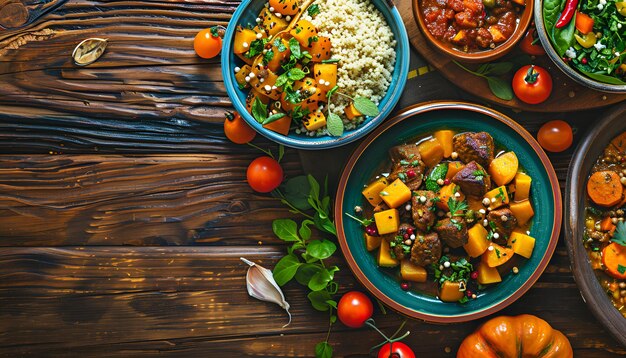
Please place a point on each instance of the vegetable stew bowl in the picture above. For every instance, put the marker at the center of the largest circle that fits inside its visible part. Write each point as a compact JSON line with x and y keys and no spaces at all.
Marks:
{"x":426,"y":118}
{"x":564,"y":67}
{"x":580,"y":167}
{"x":247,"y":12}
{"x":478,"y":56}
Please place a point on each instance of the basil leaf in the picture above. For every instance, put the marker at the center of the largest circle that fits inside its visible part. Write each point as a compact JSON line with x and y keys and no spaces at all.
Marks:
{"x":334,"y":125}
{"x":318,"y":299}
{"x":294,"y":47}
{"x":321,"y":249}
{"x":323,"y":350}
{"x":332,"y":303}
{"x":273,"y":118}
{"x":321,"y":279}
{"x":305,"y":231}
{"x":499,"y":68}
{"x":306,"y":272}
{"x":297,"y":191}
{"x":281,"y":80}
{"x":286,"y":230}
{"x":296,"y":74}
{"x":315,"y":187}
{"x":285,"y":269}
{"x":366,"y":106}
{"x":324,"y":224}
{"x":500,"y":88}
{"x":259,"y":110}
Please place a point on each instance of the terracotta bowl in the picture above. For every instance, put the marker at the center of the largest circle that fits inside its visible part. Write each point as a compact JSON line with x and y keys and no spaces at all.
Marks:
{"x":479,"y":56}
{"x":418,"y":120}
{"x":583,"y":160}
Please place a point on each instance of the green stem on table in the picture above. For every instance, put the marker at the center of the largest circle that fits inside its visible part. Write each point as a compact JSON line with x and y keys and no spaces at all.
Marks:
{"x":468,"y":70}
{"x":293,"y":208}
{"x":268,"y":151}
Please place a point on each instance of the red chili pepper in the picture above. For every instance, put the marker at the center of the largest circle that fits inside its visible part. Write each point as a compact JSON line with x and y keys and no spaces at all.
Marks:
{"x":567,"y":14}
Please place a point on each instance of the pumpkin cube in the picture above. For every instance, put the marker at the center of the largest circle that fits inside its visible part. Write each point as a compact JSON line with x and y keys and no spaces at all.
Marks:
{"x":453,"y":168}
{"x":278,"y":57}
{"x":521,"y":244}
{"x":320,"y":49}
{"x":325,"y":73}
{"x":459,"y":38}
{"x":240,"y":76}
{"x":351,"y":112}
{"x":384,"y":256}
{"x":285,"y":7}
{"x":498,"y":197}
{"x":372,"y":191}
{"x":272,"y":23}
{"x":504,"y":168}
{"x":412,"y":272}
{"x":396,"y":194}
{"x":523,"y":211}
{"x":445,"y":138}
{"x":487,"y":275}
{"x":281,"y":125}
{"x":522,"y":186}
{"x":496,"y":255}
{"x":305,"y":32}
{"x":497,"y":35}
{"x":477,"y":242}
{"x":450,"y":291}
{"x":446,"y":192}
{"x":244,"y":58}
{"x":252,"y":96}
{"x":314,"y":121}
{"x":372,"y":242}
{"x":431,"y":152}
{"x":387,"y":221}
{"x":243,"y":40}
{"x":267,"y":86}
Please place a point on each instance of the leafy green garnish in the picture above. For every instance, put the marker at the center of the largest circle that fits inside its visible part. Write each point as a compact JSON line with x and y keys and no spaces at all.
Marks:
{"x":457,"y":207}
{"x":259,"y":110}
{"x":313,"y":10}
{"x":366,"y":106}
{"x":273,"y":118}
{"x":334,"y":125}
{"x":364,"y":222}
{"x":499,"y":87}
{"x":438,"y":172}
{"x":619,"y":236}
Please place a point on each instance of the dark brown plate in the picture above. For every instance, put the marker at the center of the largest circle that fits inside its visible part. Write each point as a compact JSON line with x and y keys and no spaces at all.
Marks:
{"x":583,"y":160}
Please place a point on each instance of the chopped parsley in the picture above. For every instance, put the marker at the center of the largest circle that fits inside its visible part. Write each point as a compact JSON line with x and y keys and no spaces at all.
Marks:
{"x":619,"y":236}
{"x":621,"y":269}
{"x":313,"y":10}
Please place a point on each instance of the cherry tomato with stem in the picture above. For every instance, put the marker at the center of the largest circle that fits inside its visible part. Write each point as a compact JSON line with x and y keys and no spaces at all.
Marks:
{"x":354,"y":309}
{"x":237,"y":130}
{"x":395,"y":350}
{"x":264,"y":174}
{"x":555,"y":136}
{"x":530,"y":44}
{"x":208,"y":42}
{"x":532,"y":84}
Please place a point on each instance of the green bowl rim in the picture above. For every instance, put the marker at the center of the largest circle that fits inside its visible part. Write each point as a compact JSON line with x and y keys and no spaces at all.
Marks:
{"x":437,"y":106}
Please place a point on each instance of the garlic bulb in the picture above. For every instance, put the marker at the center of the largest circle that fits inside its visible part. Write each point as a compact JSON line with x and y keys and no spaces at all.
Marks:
{"x":261,"y":285}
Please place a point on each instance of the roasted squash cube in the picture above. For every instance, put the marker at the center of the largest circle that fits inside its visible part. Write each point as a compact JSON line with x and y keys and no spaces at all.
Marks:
{"x":314,"y":121}
{"x":487,"y":275}
{"x":285,"y":7}
{"x":449,"y":191}
{"x":281,"y":125}
{"x":372,"y":191}
{"x":266,"y":87}
{"x":477,"y":242}
{"x":240,"y":76}
{"x":445,"y":138}
{"x":320,"y":50}
{"x":351,"y":112}
{"x":453,"y":168}
{"x":396,"y":194}
{"x":503,"y":168}
{"x":243,"y":40}
{"x":521,"y":244}
{"x":252,"y":96}
{"x":431,"y":152}
{"x":272,"y":23}
{"x":496,"y":34}
{"x":326,"y":75}
{"x":522,"y":186}
{"x":496,"y":255}
{"x":372,"y":242}
{"x":450,"y":291}
{"x":523,"y":211}
{"x":384,"y":256}
{"x":305,"y":33}
{"x":387,"y":221}
{"x":412,"y":272}
{"x":498,"y":197}
{"x":459,"y":38}
{"x":278,"y":57}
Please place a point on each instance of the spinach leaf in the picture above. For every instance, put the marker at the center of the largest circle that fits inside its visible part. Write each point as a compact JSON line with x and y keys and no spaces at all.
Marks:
{"x":563,"y":38}
{"x":500,"y":88}
{"x":603,"y":78}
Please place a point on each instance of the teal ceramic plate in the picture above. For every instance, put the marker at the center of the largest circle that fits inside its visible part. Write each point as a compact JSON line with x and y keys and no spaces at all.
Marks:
{"x":423,"y":119}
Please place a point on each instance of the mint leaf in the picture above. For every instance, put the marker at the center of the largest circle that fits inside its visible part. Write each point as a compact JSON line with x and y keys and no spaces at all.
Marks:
{"x":366,"y":106}
{"x":334,"y":125}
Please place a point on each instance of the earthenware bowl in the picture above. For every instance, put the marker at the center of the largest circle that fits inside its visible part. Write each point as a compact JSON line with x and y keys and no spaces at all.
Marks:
{"x":587,"y":152}
{"x":247,"y":12}
{"x":419,"y":120}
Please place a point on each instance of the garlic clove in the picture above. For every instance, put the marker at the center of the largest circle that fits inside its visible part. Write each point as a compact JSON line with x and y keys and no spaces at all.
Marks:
{"x":262,"y":286}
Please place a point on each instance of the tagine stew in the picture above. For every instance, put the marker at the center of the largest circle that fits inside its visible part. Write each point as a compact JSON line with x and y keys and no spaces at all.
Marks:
{"x":605,"y":230}
{"x":472,"y":25}
{"x":452,"y":212}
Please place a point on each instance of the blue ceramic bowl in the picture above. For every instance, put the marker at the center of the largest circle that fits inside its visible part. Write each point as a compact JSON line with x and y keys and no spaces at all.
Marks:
{"x":424,"y":119}
{"x":247,"y":12}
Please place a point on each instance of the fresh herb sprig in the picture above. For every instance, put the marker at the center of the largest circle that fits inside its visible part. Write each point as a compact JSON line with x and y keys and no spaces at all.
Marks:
{"x":490,"y":72}
{"x":334,"y":124}
{"x":457,"y":208}
{"x":619,"y":236}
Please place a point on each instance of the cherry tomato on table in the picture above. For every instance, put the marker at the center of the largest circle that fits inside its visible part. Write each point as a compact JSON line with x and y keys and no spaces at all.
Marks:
{"x":354,"y":309}
{"x":530,"y":43}
{"x":532,"y":84}
{"x":395,"y":350}
{"x":208,"y":43}
{"x":237,"y":130}
{"x":264,"y":174}
{"x":555,"y":136}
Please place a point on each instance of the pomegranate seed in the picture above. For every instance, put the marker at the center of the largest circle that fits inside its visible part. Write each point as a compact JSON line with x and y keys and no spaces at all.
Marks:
{"x":584,"y":60}
{"x":468,"y":293}
{"x":372,"y":228}
{"x":405,"y":286}
{"x":405,"y":236}
{"x":410,"y":173}
{"x":474,"y":275}
{"x":446,"y":181}
{"x":409,"y":231}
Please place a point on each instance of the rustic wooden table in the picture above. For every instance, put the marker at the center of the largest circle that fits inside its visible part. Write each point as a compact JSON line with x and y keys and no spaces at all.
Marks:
{"x":124,"y":210}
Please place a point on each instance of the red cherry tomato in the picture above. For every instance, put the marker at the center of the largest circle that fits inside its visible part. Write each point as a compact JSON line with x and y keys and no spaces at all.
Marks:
{"x":555,"y":136}
{"x":530,"y":43}
{"x":237,"y":130}
{"x":532,"y":84}
{"x":354,"y":309}
{"x":207,"y":43}
{"x":264,"y":174}
{"x":395,"y":350}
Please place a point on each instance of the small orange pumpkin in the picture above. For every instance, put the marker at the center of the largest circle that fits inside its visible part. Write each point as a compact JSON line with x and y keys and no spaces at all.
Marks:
{"x":512,"y":337}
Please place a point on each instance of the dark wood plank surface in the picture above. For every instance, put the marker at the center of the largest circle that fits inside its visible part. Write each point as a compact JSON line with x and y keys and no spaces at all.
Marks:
{"x":124,"y":210}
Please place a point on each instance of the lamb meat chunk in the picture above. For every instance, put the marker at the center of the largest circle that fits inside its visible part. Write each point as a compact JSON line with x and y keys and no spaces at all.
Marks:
{"x":423,"y":209}
{"x":453,"y":231}
{"x":473,"y":180}
{"x":400,"y":249}
{"x":471,"y":146}
{"x":504,"y":222}
{"x":411,"y":172}
{"x":426,"y":249}
{"x":407,"y":152}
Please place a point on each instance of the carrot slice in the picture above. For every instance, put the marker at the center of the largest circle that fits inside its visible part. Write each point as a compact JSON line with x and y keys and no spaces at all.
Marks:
{"x":606,"y":224}
{"x":584,"y":23}
{"x":605,"y":188}
{"x":614,"y":259}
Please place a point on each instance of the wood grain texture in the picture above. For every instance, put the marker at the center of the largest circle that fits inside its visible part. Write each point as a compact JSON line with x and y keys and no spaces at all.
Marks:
{"x":134,"y":200}
{"x":148,"y":300}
